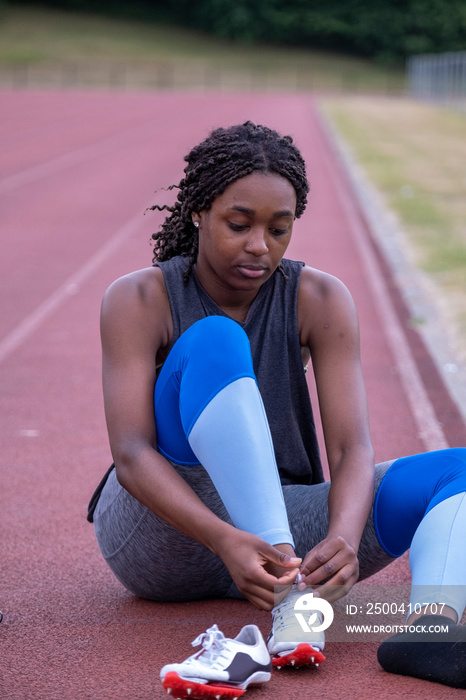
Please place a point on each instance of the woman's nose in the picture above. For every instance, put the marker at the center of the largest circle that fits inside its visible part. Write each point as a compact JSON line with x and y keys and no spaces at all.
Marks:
{"x":257,"y":243}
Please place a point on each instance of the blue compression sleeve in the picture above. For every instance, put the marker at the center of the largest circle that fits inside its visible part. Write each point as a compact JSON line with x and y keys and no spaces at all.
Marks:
{"x":232,"y":439}
{"x":211,"y":354}
{"x":438,"y":556}
{"x":208,"y":410}
{"x":411,"y":488}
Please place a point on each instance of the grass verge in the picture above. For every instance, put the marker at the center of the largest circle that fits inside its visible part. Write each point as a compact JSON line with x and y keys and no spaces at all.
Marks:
{"x":415,"y":154}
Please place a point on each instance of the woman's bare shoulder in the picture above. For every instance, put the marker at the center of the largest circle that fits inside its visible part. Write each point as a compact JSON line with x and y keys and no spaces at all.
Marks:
{"x":323,"y":302}
{"x":139,"y":300}
{"x":140,"y":287}
{"x":318,"y":286}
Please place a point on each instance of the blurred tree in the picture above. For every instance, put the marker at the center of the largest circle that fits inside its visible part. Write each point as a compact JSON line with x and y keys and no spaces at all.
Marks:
{"x":385,"y":29}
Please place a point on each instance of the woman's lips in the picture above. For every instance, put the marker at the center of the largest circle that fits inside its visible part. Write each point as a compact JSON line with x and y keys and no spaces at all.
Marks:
{"x":251,"y":271}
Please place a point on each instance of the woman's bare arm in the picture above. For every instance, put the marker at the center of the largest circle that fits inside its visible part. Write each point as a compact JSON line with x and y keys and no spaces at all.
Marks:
{"x":329,"y":326}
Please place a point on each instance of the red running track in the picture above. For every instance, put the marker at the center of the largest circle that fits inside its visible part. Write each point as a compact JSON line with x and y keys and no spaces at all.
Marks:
{"x":76,"y":174}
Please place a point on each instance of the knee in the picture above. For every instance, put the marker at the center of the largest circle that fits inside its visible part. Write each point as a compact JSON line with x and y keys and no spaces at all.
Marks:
{"x":450,"y":476}
{"x":459,"y":453}
{"x":432,"y":467}
{"x":219,"y":342}
{"x":453,"y":460}
{"x":219,"y":335}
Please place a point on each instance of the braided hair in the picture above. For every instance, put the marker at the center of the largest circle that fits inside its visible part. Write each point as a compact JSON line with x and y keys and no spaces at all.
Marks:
{"x":225,"y":156}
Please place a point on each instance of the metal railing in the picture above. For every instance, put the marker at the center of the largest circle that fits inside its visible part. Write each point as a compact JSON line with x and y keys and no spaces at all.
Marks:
{"x":439,"y":77}
{"x":151,"y":75}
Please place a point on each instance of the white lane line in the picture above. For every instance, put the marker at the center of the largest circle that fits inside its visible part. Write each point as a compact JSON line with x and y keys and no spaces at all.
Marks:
{"x":79,"y":155}
{"x":24,"y":329}
{"x":429,"y":428}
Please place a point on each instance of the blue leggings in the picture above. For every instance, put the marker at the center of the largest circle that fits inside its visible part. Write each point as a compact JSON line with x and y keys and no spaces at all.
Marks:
{"x":212,"y":356}
{"x":411,"y":488}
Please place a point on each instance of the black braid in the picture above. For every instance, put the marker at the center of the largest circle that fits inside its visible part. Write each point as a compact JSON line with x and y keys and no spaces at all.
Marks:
{"x":224,"y":157}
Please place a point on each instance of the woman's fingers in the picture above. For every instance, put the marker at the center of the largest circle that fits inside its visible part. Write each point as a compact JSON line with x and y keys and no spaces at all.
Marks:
{"x":334,"y":562}
{"x":263,"y":588}
{"x":326,"y":558}
{"x":247,"y":558}
{"x":334,"y":589}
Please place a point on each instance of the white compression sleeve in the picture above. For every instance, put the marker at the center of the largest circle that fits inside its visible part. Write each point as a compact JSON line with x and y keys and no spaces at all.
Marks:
{"x":438,"y":556}
{"x":232,"y":440}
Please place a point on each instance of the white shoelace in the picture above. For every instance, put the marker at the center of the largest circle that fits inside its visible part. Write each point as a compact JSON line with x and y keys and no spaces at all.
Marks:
{"x":213,"y":643}
{"x":283,"y":613}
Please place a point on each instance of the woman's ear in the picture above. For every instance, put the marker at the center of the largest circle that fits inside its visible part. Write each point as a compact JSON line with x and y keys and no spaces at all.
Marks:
{"x":196,"y":219}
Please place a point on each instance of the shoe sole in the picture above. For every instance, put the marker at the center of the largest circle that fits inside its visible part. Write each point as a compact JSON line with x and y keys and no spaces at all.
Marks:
{"x":181,"y":689}
{"x":303,"y":655}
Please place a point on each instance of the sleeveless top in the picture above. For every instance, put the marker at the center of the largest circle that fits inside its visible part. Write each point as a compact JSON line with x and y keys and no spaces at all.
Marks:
{"x":272,"y":328}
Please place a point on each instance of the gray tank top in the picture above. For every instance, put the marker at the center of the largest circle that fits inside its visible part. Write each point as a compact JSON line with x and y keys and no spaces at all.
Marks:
{"x":272,"y":329}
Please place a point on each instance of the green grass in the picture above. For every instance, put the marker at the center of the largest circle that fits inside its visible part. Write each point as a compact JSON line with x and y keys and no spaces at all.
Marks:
{"x":415,"y":154}
{"x":42,"y":36}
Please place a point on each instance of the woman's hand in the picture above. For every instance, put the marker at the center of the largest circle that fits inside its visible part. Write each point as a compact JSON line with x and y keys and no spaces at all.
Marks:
{"x":247,"y":558}
{"x":334,"y":561}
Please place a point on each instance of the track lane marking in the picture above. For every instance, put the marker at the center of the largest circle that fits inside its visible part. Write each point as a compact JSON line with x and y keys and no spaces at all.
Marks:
{"x":70,"y":287}
{"x":74,"y":157}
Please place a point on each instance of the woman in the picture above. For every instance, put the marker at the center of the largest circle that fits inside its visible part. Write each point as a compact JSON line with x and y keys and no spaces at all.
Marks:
{"x":223,"y":326}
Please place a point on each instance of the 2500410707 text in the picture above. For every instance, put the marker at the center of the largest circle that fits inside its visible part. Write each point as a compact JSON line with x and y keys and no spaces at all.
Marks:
{"x":393,"y":608}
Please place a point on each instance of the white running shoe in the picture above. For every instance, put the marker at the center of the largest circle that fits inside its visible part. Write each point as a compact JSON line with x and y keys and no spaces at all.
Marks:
{"x":288,"y":644}
{"x":223,"y":668}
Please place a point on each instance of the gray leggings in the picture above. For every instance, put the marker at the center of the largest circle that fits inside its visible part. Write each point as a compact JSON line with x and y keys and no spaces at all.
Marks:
{"x":148,"y":555}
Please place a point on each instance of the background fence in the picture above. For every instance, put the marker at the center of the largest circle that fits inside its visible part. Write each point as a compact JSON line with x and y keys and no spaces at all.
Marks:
{"x":153,"y":75}
{"x":439,"y":77}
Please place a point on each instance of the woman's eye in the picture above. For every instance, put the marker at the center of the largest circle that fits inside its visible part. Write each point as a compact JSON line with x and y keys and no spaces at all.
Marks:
{"x":237,"y":227}
{"x":279,"y":231}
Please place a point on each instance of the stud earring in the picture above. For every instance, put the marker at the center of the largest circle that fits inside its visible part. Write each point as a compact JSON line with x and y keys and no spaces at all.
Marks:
{"x":196,"y":224}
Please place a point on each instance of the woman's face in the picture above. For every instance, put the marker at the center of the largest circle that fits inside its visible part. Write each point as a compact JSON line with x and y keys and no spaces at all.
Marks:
{"x":246,"y":231}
